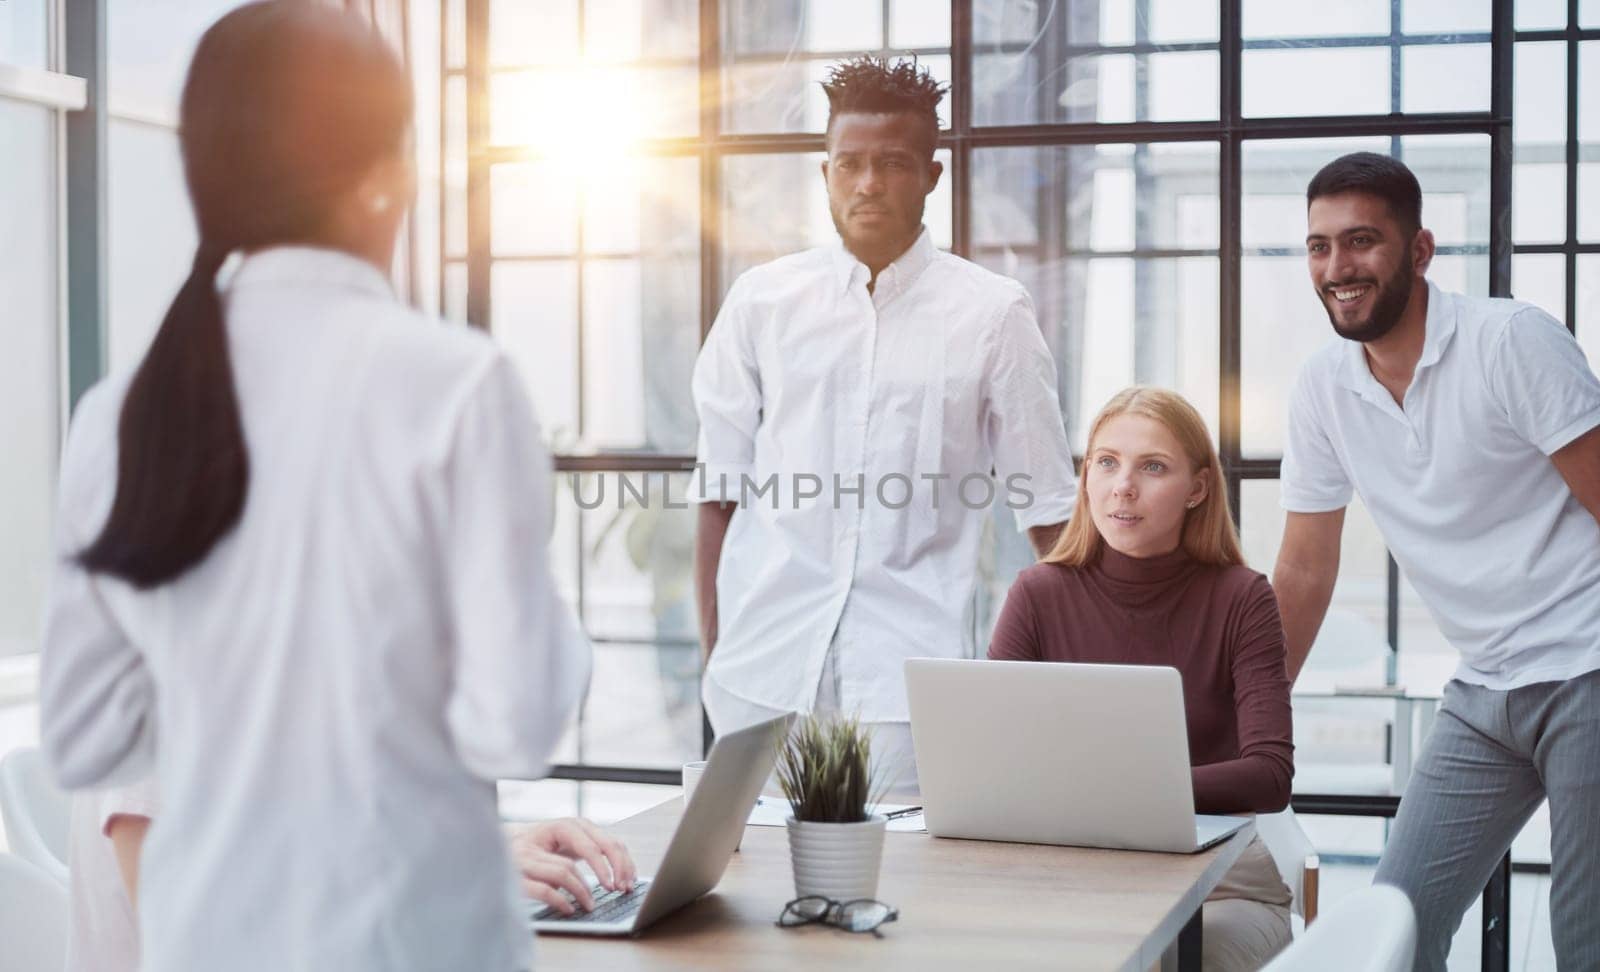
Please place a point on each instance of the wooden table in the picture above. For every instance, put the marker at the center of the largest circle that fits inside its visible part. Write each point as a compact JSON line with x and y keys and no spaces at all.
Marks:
{"x":963,"y":904}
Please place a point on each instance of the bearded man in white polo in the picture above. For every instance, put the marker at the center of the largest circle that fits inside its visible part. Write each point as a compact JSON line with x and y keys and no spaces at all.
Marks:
{"x":1471,"y":429}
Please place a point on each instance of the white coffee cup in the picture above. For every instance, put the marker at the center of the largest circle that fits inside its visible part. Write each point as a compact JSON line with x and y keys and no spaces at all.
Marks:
{"x":691,"y":778}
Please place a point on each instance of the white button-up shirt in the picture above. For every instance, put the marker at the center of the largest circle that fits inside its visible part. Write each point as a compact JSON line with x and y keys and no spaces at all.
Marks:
{"x":330,"y":694}
{"x":1460,"y":481}
{"x":860,"y":431}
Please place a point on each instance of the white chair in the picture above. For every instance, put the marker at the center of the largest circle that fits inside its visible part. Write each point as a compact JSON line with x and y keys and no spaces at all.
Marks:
{"x":37,"y":814}
{"x":33,"y":918}
{"x":1297,"y":861}
{"x":1373,"y":930}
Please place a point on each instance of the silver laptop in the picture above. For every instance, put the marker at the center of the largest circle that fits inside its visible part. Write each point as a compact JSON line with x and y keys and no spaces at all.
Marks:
{"x":1044,"y":753}
{"x":707,"y":835}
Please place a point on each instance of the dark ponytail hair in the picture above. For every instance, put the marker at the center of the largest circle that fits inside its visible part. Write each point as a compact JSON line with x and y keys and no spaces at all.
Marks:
{"x":287,"y":108}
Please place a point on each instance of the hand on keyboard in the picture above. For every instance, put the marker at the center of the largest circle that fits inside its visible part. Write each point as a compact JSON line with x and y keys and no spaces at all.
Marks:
{"x":548,"y":856}
{"x":608,"y":906}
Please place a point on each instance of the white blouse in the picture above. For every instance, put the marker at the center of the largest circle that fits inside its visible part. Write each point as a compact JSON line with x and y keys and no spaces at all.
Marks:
{"x":329,"y":696}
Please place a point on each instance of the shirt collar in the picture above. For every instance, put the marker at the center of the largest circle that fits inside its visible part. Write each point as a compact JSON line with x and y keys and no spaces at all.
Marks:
{"x":896,"y":278}
{"x":1438,"y":327}
{"x":307,"y":265}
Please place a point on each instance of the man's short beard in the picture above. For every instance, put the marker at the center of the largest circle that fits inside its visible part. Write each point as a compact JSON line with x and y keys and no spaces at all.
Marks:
{"x":911,"y":228}
{"x":1393,"y":297}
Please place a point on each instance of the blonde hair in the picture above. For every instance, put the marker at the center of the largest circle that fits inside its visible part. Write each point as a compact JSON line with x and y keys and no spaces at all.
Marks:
{"x":1209,"y":534}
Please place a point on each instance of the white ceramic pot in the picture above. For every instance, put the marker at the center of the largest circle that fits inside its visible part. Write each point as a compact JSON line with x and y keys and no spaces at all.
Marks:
{"x":837,"y":860}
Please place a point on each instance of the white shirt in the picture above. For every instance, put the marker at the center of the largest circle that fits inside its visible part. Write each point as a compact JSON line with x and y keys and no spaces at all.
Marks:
{"x":105,"y":933}
{"x":331,"y":693}
{"x":940,"y":371}
{"x":1460,"y":483}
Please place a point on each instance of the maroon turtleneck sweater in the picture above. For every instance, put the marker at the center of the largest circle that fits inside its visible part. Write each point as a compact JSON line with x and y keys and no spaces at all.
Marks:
{"x":1218,"y":626}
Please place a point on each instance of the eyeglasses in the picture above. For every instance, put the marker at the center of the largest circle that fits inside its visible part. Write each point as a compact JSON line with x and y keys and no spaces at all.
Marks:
{"x":860,"y":915}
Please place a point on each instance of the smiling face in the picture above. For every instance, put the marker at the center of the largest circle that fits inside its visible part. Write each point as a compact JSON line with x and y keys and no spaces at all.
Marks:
{"x":1140,"y":486}
{"x":1364,"y":264}
{"x":879,"y":172}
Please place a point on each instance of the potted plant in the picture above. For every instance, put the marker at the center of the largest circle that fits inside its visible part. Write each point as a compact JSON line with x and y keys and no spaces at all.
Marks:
{"x":835,"y":843}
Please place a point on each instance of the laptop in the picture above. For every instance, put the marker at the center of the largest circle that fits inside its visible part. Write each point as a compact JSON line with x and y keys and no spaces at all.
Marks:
{"x":1051,"y":753}
{"x":707,"y":835}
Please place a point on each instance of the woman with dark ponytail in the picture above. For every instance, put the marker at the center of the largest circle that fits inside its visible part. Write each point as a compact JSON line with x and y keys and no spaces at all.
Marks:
{"x":302,"y":569}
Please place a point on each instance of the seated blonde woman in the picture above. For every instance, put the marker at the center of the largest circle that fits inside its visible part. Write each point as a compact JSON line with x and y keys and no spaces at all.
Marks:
{"x":1148,"y":571}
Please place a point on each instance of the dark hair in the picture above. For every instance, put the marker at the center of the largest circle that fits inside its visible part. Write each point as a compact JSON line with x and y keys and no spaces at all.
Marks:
{"x":1374,"y":174}
{"x":287,"y":107}
{"x":872,"y":84}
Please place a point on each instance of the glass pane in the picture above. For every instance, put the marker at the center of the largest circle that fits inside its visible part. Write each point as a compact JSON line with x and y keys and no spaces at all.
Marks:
{"x":771,"y":205}
{"x":641,"y":332}
{"x":1589,"y":13}
{"x":1445,"y":16}
{"x":634,"y":30}
{"x":919,"y":23}
{"x":1282,"y":321}
{"x":620,"y":106}
{"x":638,"y":556}
{"x":784,"y":94}
{"x":455,"y":293}
{"x":1180,"y":21}
{"x":1541,"y":14}
{"x":1541,"y":279}
{"x":1269,"y":19}
{"x":613,"y":31}
{"x":1352,"y":647}
{"x":522,"y":33}
{"x":534,"y":209}
{"x":1589,"y":141}
{"x":455,"y":167}
{"x":25,"y":35}
{"x":28,"y":368}
{"x":775,"y":204}
{"x":455,"y":33}
{"x":775,"y":53}
{"x":643,"y":707}
{"x":1108,"y":197}
{"x":650,"y":204}
{"x":1427,"y":661}
{"x":148,"y":46}
{"x":1069,"y":222}
{"x":1105,"y":88}
{"x":1292,"y":81}
{"x":1117,"y":321}
{"x":1539,"y":136}
{"x":635,"y":560}
{"x":152,"y":235}
{"x":1440,"y":77}
{"x":1037,"y":65}
{"x":640,"y":305}
{"x":534,"y":308}
{"x":1589,"y":307}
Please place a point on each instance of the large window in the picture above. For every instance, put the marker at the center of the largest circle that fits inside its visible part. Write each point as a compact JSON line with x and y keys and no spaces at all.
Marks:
{"x":35,"y":93}
{"x":1140,"y":165}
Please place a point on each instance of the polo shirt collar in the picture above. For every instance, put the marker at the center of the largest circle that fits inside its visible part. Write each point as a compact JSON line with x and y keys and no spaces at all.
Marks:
{"x":1438,"y":327}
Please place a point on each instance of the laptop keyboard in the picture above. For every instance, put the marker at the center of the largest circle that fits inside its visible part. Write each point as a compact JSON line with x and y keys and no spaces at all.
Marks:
{"x":609,"y":906}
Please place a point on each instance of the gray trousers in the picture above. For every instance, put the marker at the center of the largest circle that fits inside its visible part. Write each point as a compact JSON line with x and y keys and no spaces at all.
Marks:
{"x":1491,"y":758}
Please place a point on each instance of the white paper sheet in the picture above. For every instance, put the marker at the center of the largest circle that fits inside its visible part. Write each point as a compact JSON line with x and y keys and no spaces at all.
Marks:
{"x":774,"y":812}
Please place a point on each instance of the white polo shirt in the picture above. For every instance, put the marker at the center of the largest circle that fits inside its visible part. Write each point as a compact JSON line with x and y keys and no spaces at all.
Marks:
{"x":1460,"y":482}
